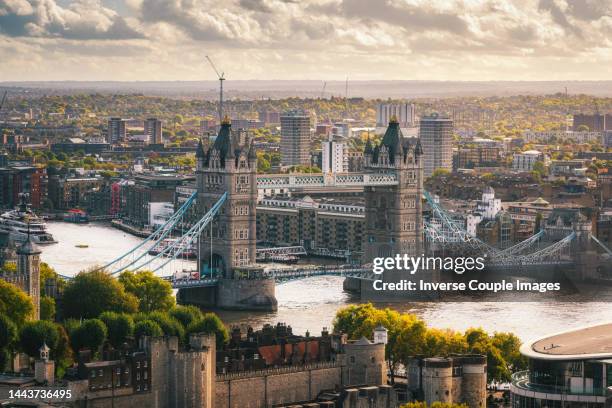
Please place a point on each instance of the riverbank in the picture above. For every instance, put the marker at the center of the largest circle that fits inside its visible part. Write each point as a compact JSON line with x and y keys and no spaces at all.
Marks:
{"x":142,"y":233}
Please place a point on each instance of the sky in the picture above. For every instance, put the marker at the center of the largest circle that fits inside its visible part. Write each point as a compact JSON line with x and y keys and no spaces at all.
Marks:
{"x":465,"y":40}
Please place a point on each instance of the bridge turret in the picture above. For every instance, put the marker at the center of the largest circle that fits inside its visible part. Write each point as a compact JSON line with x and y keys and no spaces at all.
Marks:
{"x":393,"y":213}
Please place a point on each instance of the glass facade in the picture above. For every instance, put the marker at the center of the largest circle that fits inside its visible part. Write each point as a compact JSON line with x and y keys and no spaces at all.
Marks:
{"x":562,"y":384}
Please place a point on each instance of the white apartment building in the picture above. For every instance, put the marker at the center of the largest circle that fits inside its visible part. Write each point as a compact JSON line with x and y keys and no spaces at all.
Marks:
{"x":334,"y":156}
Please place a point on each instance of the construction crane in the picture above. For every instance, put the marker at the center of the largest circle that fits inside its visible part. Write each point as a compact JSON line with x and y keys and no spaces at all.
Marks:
{"x":221,"y":77}
{"x":323,"y":91}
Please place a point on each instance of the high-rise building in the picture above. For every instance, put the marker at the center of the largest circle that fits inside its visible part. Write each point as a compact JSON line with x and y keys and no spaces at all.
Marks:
{"x":295,"y":138}
{"x":405,"y":113}
{"x":153,"y":129}
{"x":117,"y":132}
{"x":595,"y":123}
{"x":436,"y":133}
{"x":334,"y":156}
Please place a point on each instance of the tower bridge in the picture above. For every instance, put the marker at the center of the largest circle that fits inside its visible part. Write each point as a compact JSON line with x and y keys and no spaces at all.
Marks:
{"x":226,"y":273}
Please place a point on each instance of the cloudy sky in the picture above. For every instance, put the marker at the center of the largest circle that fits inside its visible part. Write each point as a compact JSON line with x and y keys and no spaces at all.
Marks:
{"x":306,"y":39}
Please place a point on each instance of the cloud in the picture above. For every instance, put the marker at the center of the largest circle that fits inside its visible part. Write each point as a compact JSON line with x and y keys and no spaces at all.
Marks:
{"x":295,"y":39}
{"x":81,"y":20}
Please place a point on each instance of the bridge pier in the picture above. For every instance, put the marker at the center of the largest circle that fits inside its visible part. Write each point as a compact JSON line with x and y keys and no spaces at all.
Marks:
{"x":233,"y":294}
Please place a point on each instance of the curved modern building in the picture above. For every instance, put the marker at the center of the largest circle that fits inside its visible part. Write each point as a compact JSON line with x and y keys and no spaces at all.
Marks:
{"x":567,"y":370}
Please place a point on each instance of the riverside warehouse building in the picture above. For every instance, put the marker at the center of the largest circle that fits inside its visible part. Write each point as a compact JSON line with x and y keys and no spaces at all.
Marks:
{"x":567,"y":370}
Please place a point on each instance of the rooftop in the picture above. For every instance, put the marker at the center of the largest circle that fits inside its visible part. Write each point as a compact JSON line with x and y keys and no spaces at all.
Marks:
{"x":590,"y":342}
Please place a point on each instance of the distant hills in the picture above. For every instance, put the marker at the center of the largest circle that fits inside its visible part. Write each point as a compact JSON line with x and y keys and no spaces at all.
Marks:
{"x":311,"y":89}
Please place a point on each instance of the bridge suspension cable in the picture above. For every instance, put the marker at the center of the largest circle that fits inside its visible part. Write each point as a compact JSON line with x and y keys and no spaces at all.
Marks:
{"x":154,"y":240}
{"x":172,"y":251}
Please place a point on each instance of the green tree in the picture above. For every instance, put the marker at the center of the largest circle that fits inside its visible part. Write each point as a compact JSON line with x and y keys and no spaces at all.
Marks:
{"x":15,"y":303}
{"x":90,"y":294}
{"x":169,"y":325}
{"x":47,"y":308}
{"x":34,"y":334}
{"x":147,"y":328}
{"x":64,"y":355}
{"x":153,"y":293}
{"x":8,"y":333}
{"x":120,"y":327}
{"x":436,"y":404}
{"x":210,"y":324}
{"x":91,"y":334}
{"x":186,"y":314}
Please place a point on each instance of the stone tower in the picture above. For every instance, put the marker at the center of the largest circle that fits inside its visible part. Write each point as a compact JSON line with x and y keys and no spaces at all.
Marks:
{"x":228,"y":165}
{"x":393,"y":220}
{"x":28,"y":268}
{"x":228,"y":252}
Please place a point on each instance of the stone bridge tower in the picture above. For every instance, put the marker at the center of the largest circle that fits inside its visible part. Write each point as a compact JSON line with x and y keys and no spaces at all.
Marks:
{"x":229,"y":165}
{"x":393,"y":219}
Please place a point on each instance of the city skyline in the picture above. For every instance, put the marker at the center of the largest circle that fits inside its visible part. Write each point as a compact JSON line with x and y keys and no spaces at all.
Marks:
{"x":323,"y":39}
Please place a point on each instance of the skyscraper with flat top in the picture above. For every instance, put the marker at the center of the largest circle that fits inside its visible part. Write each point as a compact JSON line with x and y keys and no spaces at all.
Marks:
{"x":153,"y":129}
{"x":117,"y":132}
{"x":436,"y":134}
{"x":295,"y":138}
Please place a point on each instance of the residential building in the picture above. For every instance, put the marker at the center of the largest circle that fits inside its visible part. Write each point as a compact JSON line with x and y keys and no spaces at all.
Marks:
{"x":436,"y":134}
{"x":468,"y":158}
{"x":334,"y":157}
{"x":117,"y":130}
{"x":295,"y":138}
{"x":154,"y":130}
{"x":269,"y":117}
{"x":595,"y":122}
{"x":405,"y":113}
{"x":27,"y":275}
{"x":486,"y":209}
{"x":17,"y":179}
{"x":567,"y":370}
{"x":523,"y":162}
{"x":325,"y":225}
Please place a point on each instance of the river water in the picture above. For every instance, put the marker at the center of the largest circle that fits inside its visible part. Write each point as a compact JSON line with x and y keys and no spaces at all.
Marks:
{"x":310,"y":304}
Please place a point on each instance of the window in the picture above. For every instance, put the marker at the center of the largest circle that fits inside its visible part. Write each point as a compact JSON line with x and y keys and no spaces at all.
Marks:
{"x":352,"y":359}
{"x":138,"y":364}
{"x":93,"y":373}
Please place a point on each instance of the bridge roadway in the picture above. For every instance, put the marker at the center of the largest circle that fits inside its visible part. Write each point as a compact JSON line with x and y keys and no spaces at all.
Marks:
{"x":280,"y":275}
{"x":317,"y":180}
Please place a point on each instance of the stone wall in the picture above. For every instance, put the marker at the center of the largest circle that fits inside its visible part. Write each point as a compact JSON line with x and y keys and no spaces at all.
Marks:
{"x":259,"y":389}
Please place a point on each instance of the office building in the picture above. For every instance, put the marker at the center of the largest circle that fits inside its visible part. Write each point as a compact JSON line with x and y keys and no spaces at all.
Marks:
{"x":334,"y":156}
{"x":567,"y":370}
{"x":295,"y":138}
{"x":405,"y":113}
{"x":153,"y":129}
{"x":117,"y":132}
{"x":436,"y":133}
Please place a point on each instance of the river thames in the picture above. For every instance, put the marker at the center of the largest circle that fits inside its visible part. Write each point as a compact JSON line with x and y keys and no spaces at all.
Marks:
{"x":311,"y":304}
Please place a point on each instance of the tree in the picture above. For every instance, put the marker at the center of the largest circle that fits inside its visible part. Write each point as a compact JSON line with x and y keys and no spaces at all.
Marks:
{"x":102,"y":293}
{"x":47,"y":308}
{"x":15,"y":303}
{"x":152,"y":292}
{"x":147,"y":328}
{"x":34,"y":334}
{"x":436,"y":404}
{"x":91,"y":334}
{"x":210,"y":324}
{"x":64,"y":355}
{"x":169,"y":325}
{"x":8,"y":333}
{"x":120,"y":327}
{"x":186,"y":314}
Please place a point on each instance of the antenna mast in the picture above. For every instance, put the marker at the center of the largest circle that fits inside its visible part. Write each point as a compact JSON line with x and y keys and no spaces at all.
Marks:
{"x":221,"y":77}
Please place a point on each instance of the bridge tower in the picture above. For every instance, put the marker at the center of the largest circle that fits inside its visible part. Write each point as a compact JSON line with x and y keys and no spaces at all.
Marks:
{"x":393,"y":214}
{"x":229,"y":165}
{"x":393,"y":219}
